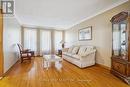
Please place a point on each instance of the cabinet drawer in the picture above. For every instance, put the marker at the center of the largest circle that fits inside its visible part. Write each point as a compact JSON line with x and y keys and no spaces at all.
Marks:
{"x":119,"y":67}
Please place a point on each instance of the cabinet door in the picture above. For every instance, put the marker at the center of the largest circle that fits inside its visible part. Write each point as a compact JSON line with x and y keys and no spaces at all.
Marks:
{"x":120,"y":40}
{"x":124,"y":40}
{"x":119,"y":67}
{"x":116,"y":40}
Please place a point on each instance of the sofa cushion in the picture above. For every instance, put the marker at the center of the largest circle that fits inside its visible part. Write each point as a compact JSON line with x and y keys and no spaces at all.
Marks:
{"x":68,"y":54}
{"x":70,"y":49}
{"x":89,"y":50}
{"x":76,"y":57}
{"x":64,"y":53}
{"x":25,"y":54}
{"x":82,"y":50}
{"x":75,"y":50}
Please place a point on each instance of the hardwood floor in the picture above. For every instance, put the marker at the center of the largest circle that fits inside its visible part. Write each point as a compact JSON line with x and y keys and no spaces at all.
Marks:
{"x":32,"y":74}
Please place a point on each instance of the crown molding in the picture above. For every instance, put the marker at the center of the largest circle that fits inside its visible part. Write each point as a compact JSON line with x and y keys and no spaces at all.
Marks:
{"x":100,"y":12}
{"x":17,"y":19}
{"x":41,"y":27}
{"x":66,"y":28}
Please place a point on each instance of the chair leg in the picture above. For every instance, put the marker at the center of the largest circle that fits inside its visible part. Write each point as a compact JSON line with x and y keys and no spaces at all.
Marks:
{"x":21,"y":60}
{"x":29,"y":58}
{"x":32,"y":54}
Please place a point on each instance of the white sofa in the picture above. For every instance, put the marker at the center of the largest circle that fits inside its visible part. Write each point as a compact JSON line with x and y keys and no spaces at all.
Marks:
{"x":82,"y":56}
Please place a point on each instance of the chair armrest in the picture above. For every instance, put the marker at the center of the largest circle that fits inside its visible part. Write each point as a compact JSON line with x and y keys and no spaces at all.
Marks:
{"x":65,"y":49}
{"x":25,"y":51}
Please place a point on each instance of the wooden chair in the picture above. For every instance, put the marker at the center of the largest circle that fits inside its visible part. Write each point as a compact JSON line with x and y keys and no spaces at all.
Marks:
{"x":25,"y":54}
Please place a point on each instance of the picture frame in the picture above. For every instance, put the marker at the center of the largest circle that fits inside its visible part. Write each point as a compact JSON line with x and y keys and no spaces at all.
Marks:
{"x":85,"y":33}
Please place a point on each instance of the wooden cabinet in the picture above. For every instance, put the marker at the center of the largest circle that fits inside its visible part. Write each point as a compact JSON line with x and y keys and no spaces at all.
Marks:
{"x":121,"y":46}
{"x":119,"y":67}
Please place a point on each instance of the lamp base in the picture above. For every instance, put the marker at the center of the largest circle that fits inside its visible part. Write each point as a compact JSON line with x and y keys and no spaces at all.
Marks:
{"x":63,"y":45}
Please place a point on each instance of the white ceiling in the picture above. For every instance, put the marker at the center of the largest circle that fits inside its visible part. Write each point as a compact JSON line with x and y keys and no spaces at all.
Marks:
{"x":61,"y":14}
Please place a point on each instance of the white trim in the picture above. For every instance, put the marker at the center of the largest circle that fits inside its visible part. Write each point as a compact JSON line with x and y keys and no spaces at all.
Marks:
{"x":42,"y":27}
{"x":100,"y":12}
{"x":17,"y":18}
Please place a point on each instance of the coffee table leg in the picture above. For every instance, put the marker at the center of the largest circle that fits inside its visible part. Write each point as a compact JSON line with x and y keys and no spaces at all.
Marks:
{"x":45,"y":64}
{"x":48,"y":65}
{"x":58,"y":64}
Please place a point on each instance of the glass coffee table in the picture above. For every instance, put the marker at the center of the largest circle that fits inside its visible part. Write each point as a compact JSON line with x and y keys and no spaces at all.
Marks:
{"x":48,"y":59}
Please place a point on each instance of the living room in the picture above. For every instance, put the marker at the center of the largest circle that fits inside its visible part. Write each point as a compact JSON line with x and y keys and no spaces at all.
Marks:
{"x":65,"y":43}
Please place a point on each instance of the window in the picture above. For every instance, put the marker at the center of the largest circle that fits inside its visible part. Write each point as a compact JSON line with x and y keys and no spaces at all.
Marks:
{"x":58,"y":37}
{"x":42,"y":41}
{"x":30,"y":39}
{"x":45,"y":42}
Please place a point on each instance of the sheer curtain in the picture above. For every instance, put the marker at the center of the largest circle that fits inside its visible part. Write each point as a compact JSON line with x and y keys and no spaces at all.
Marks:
{"x":58,"y":37}
{"x":30,"y":39}
{"x":45,"y":42}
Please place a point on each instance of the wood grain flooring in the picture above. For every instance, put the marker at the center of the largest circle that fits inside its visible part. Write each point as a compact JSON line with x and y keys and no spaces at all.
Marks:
{"x":32,"y":74}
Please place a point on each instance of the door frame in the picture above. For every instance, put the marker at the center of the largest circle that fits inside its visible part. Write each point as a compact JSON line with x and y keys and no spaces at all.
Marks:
{"x":1,"y":45}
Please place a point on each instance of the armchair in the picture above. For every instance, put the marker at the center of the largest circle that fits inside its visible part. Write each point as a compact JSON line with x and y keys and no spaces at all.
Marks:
{"x":25,"y":54}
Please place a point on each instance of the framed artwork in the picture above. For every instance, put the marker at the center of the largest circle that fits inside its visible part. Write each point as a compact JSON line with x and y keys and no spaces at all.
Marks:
{"x":85,"y":33}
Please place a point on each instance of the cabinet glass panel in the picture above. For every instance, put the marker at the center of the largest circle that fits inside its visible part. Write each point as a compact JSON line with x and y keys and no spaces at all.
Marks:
{"x":116,"y":40}
{"x":120,"y":40}
{"x":123,"y":40}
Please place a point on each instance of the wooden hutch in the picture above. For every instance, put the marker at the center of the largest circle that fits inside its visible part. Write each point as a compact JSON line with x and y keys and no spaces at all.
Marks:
{"x":121,"y":46}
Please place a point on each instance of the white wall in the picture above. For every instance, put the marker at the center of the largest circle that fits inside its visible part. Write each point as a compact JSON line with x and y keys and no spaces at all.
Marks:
{"x":101,"y":34}
{"x":11,"y":36}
